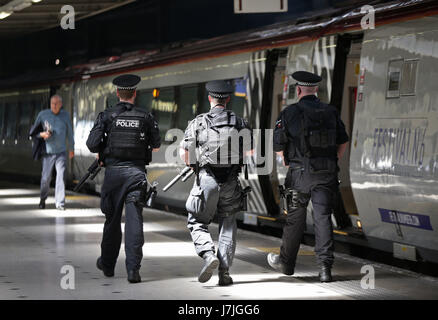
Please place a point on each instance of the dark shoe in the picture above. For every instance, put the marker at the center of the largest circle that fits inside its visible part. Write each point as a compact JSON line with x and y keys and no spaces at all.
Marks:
{"x":210,"y":264}
{"x":224,"y":278}
{"x":99,"y":265}
{"x":42,"y":204}
{"x":275,"y":263}
{"x":134,"y":276}
{"x":325,"y":275}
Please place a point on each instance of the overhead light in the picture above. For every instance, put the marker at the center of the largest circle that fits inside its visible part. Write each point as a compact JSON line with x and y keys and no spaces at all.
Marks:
{"x":22,"y":5}
{"x":4,"y":14}
{"x":15,"y":5}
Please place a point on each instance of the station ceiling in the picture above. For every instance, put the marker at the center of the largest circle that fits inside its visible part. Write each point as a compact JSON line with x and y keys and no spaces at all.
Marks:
{"x":19,"y":17}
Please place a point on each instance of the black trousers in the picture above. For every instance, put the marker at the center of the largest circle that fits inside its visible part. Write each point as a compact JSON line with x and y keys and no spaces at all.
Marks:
{"x":121,"y":186}
{"x":320,"y":188}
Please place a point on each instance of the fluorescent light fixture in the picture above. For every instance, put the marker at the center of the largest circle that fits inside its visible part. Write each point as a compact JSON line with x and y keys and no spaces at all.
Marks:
{"x":15,"y":5}
{"x":21,"y":5}
{"x":4,"y":14}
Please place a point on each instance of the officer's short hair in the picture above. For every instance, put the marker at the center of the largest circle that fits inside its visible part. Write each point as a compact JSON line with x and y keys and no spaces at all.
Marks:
{"x":126,"y":94}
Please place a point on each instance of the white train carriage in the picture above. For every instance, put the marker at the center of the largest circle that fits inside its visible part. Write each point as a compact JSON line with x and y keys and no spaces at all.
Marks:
{"x":382,"y":80}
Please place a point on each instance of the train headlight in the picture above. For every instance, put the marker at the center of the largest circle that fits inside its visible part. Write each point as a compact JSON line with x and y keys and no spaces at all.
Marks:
{"x":359,"y":224}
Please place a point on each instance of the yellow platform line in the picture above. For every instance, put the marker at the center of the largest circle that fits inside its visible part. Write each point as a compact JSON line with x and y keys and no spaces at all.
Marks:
{"x":77,"y":197}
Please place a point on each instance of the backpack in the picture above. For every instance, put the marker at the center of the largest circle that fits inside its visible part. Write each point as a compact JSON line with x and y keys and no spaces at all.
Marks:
{"x":219,"y":142}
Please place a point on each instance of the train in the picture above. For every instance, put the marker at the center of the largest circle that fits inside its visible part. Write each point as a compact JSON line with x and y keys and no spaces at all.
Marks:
{"x":382,"y":79}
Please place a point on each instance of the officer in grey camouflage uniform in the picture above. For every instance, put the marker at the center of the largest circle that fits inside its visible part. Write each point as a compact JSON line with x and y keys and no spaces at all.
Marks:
{"x":216,"y":190}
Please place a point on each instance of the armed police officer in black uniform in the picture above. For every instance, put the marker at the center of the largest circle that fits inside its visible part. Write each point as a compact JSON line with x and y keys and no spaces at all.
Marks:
{"x":310,"y":137}
{"x":124,"y":136}
{"x":209,"y":144}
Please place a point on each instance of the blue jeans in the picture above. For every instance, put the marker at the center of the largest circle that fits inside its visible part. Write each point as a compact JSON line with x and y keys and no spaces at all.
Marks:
{"x":58,"y":161}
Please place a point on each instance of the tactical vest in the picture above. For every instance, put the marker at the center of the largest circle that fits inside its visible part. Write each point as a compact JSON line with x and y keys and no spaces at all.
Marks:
{"x":127,"y":136}
{"x":219,"y":141}
{"x":312,"y":137}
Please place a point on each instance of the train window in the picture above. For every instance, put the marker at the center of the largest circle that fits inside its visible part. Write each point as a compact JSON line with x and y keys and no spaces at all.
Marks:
{"x":164,"y":109}
{"x":409,"y":77}
{"x":37,"y":107}
{"x":323,"y":89}
{"x":188,"y":106}
{"x":111,"y":100}
{"x":238,"y":99}
{"x":11,"y":120}
{"x":393,"y":82}
{"x":24,"y":119}
{"x":144,"y":99}
{"x":204,"y":106}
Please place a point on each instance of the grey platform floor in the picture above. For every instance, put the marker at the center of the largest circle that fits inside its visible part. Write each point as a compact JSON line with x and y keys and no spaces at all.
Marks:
{"x":51,"y":254}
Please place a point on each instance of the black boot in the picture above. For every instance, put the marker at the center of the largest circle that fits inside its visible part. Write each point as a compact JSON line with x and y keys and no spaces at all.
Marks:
{"x":99,"y":265}
{"x":42,"y":204}
{"x":325,"y":275}
{"x":134,"y":276}
{"x":224,"y":278}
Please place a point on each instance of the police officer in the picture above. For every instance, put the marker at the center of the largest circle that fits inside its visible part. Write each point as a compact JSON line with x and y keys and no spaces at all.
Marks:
{"x":216,"y":190}
{"x":124,"y":136}
{"x":310,"y":137}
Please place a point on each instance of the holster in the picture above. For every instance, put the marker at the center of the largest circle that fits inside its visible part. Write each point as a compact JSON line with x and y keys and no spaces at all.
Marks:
{"x":289,"y":199}
{"x":142,"y":199}
{"x":147,"y":196}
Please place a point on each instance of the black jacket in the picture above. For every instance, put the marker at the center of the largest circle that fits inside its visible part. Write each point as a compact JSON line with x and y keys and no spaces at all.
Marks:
{"x":38,"y":143}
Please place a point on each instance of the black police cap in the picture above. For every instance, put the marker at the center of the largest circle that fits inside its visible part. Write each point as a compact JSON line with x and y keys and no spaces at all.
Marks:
{"x":219,"y":88}
{"x":306,"y":79}
{"x":126,"y":81}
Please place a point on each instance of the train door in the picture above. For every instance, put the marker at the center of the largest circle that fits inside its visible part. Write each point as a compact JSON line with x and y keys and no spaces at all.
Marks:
{"x":279,"y":171}
{"x":345,"y":77}
{"x":352,"y":74}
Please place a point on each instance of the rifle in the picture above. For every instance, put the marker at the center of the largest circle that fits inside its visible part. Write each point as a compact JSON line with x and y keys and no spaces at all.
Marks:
{"x":93,"y":170}
{"x":185,"y":174}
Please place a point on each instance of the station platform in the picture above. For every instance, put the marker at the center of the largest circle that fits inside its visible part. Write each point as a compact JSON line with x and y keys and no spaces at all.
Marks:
{"x":40,"y":247}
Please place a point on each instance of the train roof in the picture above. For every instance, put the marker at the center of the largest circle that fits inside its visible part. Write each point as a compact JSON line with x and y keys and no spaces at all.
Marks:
{"x":274,"y":36}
